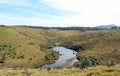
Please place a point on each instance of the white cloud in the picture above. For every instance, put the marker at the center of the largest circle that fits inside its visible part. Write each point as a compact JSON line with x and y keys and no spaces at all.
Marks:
{"x":85,"y":5}
{"x":88,"y":12}
{"x":91,"y":12}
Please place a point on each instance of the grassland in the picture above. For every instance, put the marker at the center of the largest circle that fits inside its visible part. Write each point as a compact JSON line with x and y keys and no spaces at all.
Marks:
{"x":91,"y":71}
{"x":24,"y":47}
{"x":27,"y":47}
{"x":2,"y":31}
{"x":103,"y":45}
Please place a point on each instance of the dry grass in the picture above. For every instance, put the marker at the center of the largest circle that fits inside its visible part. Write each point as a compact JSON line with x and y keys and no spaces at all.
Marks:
{"x":92,"y":71}
{"x":32,"y":43}
{"x":102,"y":44}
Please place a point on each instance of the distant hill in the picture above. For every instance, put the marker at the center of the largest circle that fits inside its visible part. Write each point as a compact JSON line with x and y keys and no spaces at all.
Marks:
{"x":64,"y":28}
{"x":107,"y":26}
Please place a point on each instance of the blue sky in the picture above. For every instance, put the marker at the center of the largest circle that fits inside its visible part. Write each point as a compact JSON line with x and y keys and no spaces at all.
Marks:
{"x":60,"y":12}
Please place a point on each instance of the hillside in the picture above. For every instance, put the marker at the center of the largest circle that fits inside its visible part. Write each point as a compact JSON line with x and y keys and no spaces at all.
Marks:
{"x":27,"y":47}
{"x":108,"y":26}
{"x":103,"y":45}
{"x":24,"y":46}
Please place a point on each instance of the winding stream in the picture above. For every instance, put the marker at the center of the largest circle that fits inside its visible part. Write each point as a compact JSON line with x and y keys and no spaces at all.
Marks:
{"x":67,"y":58}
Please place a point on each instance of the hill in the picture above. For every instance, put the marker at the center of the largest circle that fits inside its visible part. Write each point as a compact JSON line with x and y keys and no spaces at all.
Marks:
{"x":102,"y":45}
{"x":24,"y":47}
{"x":108,"y":26}
{"x":28,"y":47}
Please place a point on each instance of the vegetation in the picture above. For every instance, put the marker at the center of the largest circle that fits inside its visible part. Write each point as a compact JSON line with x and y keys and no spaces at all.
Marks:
{"x":103,"y":45}
{"x":7,"y":47}
{"x":28,"y":47}
{"x":92,"y":71}
{"x":2,"y":31}
{"x":86,"y":62}
{"x":24,"y":47}
{"x":65,"y":28}
{"x":51,"y":57}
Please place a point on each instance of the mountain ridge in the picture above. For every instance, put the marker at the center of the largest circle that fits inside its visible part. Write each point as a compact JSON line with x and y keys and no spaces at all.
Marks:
{"x":107,"y":26}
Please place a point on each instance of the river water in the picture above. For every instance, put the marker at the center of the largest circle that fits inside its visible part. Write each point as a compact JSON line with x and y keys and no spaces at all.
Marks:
{"x":67,"y":58}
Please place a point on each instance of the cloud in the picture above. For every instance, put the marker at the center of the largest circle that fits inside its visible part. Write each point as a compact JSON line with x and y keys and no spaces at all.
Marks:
{"x":60,"y":12}
{"x":35,"y":14}
{"x":84,"y":5}
{"x":90,"y":12}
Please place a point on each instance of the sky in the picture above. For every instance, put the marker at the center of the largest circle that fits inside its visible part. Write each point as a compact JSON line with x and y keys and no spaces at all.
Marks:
{"x":87,"y":13}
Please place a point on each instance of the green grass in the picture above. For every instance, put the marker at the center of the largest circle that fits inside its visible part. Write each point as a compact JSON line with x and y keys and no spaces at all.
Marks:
{"x":2,"y":31}
{"x":8,"y":47}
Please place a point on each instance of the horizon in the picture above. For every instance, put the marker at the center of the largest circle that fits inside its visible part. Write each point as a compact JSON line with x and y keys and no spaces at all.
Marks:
{"x":57,"y":13}
{"x":21,"y":25}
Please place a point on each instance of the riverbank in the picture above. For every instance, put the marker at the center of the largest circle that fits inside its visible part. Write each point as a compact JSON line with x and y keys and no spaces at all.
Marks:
{"x":91,"y":71}
{"x":67,"y":58}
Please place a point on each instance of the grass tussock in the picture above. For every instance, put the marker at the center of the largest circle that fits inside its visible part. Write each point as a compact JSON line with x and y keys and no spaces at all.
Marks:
{"x":92,"y":71}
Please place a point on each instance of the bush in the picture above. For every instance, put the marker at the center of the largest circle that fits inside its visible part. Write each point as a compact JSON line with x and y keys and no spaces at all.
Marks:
{"x":94,"y":61}
{"x":13,"y":54}
{"x":20,"y":56}
{"x":1,"y":61}
{"x":51,"y":57}
{"x":111,"y":63}
{"x":85,"y":62}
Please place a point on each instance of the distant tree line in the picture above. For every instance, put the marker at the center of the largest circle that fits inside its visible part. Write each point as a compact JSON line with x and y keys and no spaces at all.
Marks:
{"x":115,"y":27}
{"x":70,"y":28}
{"x":65,"y":28}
